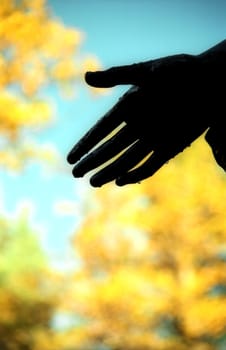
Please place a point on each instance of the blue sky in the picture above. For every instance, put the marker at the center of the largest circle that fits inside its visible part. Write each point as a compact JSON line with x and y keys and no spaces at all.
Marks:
{"x":118,"y":32}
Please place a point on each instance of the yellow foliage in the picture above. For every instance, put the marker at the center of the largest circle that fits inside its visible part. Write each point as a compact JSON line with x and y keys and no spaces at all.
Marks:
{"x":205,"y":316}
{"x":36,"y":49}
{"x":16,"y":113}
{"x":65,"y":69}
{"x":6,"y":304}
{"x":32,"y":45}
{"x":153,"y":266}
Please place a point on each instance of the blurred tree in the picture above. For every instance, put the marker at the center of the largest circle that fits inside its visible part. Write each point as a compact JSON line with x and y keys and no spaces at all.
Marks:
{"x":36,"y":50}
{"x":28,"y":288}
{"x":152,"y":271}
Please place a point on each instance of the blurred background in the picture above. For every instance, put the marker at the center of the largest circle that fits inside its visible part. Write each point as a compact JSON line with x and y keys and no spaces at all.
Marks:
{"x":139,"y":267}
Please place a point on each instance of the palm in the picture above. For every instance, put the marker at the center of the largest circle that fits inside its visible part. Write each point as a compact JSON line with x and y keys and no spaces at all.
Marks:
{"x":169,"y":105}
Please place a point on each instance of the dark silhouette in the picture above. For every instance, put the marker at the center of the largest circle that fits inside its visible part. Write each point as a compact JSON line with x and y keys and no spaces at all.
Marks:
{"x":173,"y":100}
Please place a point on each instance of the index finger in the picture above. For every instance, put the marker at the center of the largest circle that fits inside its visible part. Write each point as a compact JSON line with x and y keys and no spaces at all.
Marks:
{"x":107,"y":124}
{"x":100,"y":130}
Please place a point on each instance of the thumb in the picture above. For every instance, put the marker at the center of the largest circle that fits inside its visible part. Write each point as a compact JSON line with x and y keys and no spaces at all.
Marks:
{"x":131,"y":74}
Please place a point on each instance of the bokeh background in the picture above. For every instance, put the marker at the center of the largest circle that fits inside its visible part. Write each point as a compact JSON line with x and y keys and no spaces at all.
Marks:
{"x":140,"y":267}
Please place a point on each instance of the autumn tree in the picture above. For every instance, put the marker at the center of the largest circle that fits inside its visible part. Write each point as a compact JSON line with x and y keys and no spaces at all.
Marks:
{"x":28,"y":288}
{"x":36,"y":51}
{"x":152,"y":272}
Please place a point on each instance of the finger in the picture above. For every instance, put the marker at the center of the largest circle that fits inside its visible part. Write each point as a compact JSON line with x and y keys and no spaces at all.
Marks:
{"x":130,"y":74}
{"x":147,"y":169}
{"x":103,"y":127}
{"x":124,"y":137}
{"x":100,"y":130}
{"x":126,"y":161}
{"x":215,"y":137}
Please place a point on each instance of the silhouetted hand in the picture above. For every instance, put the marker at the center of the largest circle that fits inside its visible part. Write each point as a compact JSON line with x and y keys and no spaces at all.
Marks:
{"x":172,"y":101}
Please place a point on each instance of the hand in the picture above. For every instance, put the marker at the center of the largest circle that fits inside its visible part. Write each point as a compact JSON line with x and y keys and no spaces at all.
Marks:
{"x":171,"y":103}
